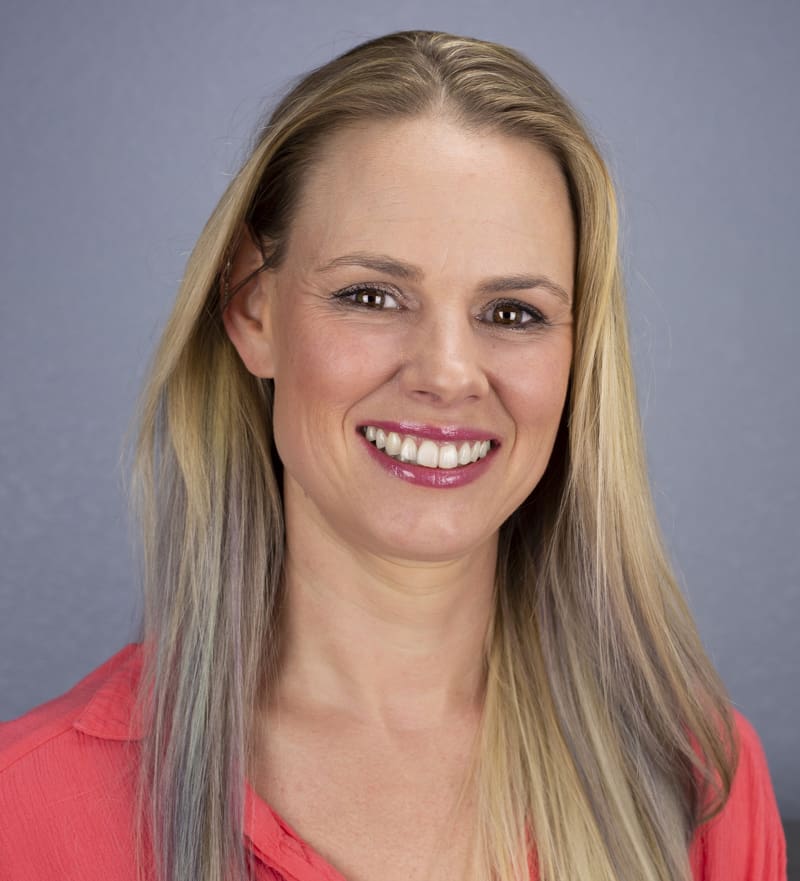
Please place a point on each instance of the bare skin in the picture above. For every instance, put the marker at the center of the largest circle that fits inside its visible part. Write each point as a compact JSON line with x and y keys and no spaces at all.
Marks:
{"x":368,"y":769}
{"x":362,"y":746}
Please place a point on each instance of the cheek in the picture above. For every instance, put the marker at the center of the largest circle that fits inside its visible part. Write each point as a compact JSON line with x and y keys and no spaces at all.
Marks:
{"x":535,"y":393}
{"x":321,"y":374}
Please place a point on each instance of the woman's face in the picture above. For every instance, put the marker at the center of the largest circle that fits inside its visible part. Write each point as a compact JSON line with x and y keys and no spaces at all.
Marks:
{"x":426,"y":292}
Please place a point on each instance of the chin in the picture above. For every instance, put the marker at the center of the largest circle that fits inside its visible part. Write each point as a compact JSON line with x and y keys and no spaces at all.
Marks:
{"x":431,"y":546}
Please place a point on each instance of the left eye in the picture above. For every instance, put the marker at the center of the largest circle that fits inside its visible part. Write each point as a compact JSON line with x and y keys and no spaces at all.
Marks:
{"x":510,"y":313}
{"x":369,"y":297}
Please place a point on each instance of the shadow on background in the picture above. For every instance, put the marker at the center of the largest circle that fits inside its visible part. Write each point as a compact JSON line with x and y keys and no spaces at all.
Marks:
{"x":792,"y":830}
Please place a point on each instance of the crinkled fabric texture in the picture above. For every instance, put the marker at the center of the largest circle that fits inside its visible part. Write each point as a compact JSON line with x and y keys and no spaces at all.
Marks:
{"x":67,"y":774}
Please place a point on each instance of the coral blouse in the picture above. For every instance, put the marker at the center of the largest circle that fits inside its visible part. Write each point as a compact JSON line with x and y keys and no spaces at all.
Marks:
{"x":66,"y":798}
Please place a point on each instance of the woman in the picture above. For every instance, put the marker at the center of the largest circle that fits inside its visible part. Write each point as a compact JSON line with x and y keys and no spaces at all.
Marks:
{"x":407,"y":610}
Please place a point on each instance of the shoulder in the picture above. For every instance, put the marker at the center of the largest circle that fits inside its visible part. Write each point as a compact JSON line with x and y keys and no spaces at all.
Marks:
{"x":21,"y":737}
{"x":66,"y":776}
{"x":745,"y":841}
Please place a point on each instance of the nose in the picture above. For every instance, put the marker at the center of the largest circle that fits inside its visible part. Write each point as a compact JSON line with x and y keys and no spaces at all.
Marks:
{"x":442,"y":364}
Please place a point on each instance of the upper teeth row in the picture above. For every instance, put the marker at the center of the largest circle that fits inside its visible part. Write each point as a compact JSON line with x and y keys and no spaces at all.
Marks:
{"x":426,"y":452}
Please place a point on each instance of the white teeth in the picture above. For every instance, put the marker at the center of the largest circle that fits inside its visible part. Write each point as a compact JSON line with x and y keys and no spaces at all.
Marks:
{"x":448,"y":456}
{"x":426,"y":452}
{"x":408,"y":450}
{"x":393,"y":443}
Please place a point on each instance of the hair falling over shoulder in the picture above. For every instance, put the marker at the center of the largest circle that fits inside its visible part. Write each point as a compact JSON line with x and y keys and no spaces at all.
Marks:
{"x":607,"y":735}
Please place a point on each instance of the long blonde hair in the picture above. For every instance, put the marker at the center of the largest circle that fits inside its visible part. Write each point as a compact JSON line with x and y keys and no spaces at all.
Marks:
{"x":606,"y":736}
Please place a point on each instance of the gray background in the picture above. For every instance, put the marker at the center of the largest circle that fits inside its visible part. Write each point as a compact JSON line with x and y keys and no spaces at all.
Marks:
{"x":120,"y":124}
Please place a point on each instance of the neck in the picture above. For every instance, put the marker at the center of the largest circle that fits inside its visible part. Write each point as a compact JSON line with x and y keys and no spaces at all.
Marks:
{"x":397,"y":644}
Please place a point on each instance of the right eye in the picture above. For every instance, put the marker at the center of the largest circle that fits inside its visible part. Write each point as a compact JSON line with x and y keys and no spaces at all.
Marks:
{"x":367,"y":296}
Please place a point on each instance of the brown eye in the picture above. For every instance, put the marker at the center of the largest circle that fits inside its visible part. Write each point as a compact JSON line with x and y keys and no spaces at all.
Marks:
{"x":505,"y":315}
{"x":368,"y":297}
{"x":514,"y":315}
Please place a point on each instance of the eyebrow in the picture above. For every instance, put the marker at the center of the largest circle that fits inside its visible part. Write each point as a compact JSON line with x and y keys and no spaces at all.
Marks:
{"x":408,"y":272}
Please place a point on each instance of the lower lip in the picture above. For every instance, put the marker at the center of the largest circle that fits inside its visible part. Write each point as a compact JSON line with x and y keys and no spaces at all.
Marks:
{"x":438,"y":478}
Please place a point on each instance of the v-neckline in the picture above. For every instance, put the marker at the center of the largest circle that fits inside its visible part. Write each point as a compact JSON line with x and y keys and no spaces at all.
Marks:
{"x":280,"y":846}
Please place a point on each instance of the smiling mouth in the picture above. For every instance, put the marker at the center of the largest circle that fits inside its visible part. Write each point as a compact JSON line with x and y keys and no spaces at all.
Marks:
{"x":425,"y":452}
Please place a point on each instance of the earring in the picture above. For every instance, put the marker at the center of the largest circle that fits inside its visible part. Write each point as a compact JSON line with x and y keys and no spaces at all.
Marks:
{"x":227,"y":293}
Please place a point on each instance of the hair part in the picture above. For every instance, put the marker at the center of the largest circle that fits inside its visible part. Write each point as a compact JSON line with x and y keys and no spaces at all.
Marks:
{"x":606,"y":736}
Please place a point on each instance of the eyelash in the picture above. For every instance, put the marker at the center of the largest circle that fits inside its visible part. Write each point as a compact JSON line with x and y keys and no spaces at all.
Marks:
{"x":537,"y":320}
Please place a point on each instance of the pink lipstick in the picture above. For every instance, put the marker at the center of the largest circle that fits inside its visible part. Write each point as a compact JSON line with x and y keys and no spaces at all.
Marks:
{"x":438,"y":478}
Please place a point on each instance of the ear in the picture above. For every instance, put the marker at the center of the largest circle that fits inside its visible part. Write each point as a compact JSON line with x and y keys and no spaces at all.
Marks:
{"x":247,"y":318}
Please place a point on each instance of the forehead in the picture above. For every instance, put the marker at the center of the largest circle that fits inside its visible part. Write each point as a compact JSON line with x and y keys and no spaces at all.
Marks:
{"x":427,"y":184}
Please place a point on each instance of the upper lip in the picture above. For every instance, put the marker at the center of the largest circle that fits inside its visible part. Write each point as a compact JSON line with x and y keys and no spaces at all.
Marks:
{"x":434,"y":432}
